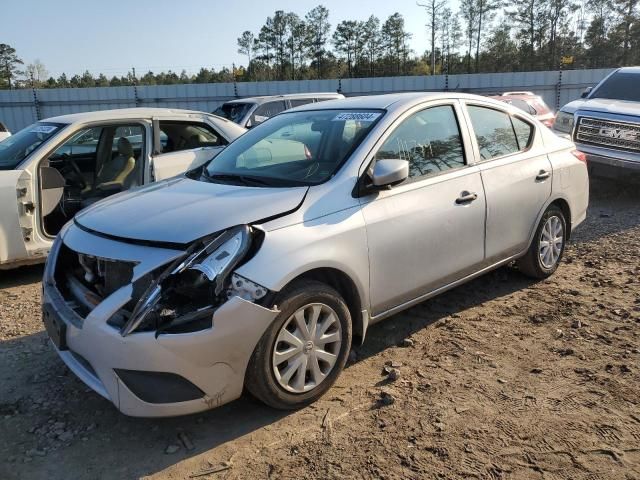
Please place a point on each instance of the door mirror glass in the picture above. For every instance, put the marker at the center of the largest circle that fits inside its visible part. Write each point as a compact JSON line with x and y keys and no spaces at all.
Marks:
{"x":389,"y":171}
{"x":586,"y":92}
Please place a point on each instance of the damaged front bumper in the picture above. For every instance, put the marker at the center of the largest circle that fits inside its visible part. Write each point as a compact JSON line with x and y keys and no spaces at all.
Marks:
{"x":147,"y":373}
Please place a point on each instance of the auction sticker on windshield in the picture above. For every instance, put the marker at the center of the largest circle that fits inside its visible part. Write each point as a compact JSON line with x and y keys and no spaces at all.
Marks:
{"x":43,"y":129}
{"x":362,"y":116}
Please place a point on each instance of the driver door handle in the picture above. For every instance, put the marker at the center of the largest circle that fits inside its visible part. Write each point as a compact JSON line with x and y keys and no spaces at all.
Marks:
{"x":542,"y":175}
{"x":466,"y":197}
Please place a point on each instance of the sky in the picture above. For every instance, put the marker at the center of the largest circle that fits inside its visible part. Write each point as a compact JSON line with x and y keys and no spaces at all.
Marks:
{"x":112,"y":36}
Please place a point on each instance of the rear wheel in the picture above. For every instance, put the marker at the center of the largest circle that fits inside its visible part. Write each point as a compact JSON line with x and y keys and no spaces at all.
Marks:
{"x":547,"y":247}
{"x":304,"y":350}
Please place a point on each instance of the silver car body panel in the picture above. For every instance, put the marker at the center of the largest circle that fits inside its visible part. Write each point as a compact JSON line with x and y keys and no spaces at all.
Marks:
{"x":398,"y":246}
{"x":144,"y":214}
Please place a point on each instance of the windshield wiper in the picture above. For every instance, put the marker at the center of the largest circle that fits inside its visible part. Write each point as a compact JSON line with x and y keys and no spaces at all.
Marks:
{"x":243,"y":179}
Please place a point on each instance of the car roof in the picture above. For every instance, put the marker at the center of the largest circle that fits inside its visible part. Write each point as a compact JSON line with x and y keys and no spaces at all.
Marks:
{"x":123,"y":114}
{"x":629,"y":69}
{"x":518,"y":96}
{"x":391,"y":100}
{"x":287,"y":96}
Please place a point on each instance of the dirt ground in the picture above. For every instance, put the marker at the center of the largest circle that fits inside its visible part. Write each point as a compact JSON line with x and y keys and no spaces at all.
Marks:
{"x":502,"y":378}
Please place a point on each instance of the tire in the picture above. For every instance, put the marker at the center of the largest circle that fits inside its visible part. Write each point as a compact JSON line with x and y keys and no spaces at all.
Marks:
{"x":540,"y":264}
{"x":268,"y":380}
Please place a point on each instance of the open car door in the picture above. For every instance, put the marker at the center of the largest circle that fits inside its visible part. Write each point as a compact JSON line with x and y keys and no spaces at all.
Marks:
{"x":17,"y":216}
{"x":170,"y":158}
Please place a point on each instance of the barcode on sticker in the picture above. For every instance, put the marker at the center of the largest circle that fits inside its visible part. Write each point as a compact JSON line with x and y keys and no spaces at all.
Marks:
{"x":362,"y":116}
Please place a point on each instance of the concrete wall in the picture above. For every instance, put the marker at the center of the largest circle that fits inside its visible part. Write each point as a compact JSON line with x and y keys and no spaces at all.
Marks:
{"x":20,"y":108}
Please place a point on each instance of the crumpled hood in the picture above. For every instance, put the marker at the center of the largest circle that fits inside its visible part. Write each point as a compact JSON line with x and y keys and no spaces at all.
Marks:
{"x":181,"y":210}
{"x":603,"y":105}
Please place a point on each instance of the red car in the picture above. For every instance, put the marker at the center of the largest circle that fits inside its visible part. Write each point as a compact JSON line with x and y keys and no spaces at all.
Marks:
{"x":529,"y":102}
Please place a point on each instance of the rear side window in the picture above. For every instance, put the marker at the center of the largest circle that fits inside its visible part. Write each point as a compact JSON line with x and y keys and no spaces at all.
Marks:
{"x":429,"y":140}
{"x":524,"y":132}
{"x":494,"y":132}
{"x":522,"y":105}
{"x":267,"y":110}
{"x":300,"y":101}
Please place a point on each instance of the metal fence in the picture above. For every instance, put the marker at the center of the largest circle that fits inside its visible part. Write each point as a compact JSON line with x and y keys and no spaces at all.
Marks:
{"x":19,"y":108}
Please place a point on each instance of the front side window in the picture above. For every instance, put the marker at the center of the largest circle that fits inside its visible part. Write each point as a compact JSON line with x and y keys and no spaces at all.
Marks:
{"x":177,"y":136}
{"x":429,"y":140}
{"x":16,"y":148}
{"x":296,"y":148}
{"x":494,"y":132}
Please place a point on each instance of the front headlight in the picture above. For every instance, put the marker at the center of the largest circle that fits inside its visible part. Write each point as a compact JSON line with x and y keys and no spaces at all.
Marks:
{"x":564,"y":122}
{"x":192,"y":283}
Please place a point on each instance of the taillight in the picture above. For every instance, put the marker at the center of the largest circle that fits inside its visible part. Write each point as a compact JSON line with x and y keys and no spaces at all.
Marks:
{"x":579,"y":155}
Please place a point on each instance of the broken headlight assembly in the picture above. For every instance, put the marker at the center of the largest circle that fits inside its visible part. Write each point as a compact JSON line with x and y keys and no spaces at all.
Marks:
{"x":185,"y":295}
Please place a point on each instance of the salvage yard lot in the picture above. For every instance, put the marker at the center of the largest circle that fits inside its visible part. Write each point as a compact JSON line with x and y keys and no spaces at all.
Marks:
{"x":503,"y":377}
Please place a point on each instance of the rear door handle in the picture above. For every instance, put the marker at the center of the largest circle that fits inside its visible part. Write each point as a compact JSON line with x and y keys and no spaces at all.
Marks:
{"x":543,"y":175}
{"x":466,"y":197}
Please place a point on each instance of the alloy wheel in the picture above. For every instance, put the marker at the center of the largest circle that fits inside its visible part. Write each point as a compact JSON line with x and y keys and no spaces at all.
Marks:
{"x":551,"y":242}
{"x":307,"y":348}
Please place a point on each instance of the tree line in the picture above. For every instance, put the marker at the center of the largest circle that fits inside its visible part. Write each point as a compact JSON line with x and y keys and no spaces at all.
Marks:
{"x":481,"y":36}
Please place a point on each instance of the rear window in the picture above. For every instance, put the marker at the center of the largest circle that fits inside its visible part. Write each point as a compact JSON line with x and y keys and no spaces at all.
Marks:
{"x":619,"y":86}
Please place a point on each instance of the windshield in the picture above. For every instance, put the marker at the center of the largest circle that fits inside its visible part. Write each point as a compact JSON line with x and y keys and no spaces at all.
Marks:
{"x":619,"y":86}
{"x":297,"y":148}
{"x":17,"y":147}
{"x":233,"y":111}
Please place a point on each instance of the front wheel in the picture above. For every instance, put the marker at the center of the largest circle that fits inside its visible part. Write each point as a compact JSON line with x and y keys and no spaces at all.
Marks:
{"x":304,"y":350}
{"x":547,"y":247}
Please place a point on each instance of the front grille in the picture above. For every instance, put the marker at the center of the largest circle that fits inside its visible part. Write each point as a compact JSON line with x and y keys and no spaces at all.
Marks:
{"x":607,"y":133}
{"x":85,"y":280}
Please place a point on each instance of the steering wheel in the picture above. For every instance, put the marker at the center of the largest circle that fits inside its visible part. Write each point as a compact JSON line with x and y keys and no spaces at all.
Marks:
{"x":78,"y":172}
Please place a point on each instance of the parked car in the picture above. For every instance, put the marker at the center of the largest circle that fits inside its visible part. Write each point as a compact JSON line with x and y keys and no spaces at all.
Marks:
{"x":279,"y":262}
{"x":605,"y":124}
{"x":249,"y":112}
{"x":4,"y":132}
{"x":52,"y":169}
{"x":529,"y":102}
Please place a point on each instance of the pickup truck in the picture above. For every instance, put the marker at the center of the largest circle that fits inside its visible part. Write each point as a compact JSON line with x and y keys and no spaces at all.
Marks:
{"x":605,"y":124}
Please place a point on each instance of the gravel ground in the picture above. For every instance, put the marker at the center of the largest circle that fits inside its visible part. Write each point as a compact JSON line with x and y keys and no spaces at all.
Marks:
{"x":502,"y":378}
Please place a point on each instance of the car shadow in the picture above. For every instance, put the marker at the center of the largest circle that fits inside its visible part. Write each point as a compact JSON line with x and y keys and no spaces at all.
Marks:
{"x":38,"y":391}
{"x":394,"y":330}
{"x":614,"y":206}
{"x":21,"y":276}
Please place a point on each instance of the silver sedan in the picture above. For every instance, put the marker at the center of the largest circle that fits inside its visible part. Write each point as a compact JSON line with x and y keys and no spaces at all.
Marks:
{"x":260,"y":269}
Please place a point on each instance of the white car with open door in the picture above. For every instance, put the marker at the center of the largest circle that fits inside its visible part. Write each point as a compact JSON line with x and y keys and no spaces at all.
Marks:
{"x":54,"y":168}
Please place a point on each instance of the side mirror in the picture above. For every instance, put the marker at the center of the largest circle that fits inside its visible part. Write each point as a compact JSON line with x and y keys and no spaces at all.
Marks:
{"x":387,"y":172}
{"x":249,"y":124}
{"x":585,"y":93}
